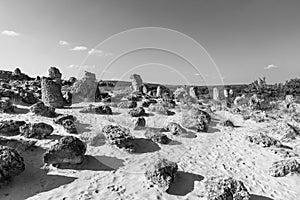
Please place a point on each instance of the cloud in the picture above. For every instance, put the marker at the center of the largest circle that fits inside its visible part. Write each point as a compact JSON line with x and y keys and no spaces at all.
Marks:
{"x":10,"y":33}
{"x":271,"y":66}
{"x":82,"y":67}
{"x":99,"y":52}
{"x":79,"y":48}
{"x":63,"y":43}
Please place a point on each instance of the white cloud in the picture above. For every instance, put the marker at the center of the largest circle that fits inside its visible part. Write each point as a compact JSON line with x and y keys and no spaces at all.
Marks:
{"x":82,"y":67}
{"x":10,"y":33}
{"x":271,"y":66}
{"x":79,"y":48}
{"x":99,"y":52}
{"x":63,"y":43}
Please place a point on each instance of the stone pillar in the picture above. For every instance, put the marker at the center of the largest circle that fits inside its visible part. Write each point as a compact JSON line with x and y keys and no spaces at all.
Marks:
{"x":216,"y":94}
{"x":51,"y":93}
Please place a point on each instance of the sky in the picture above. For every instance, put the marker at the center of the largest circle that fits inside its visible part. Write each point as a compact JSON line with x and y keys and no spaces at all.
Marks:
{"x":165,"y":41}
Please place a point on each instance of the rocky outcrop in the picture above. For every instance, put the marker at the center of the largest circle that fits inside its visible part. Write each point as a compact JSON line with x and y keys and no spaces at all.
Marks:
{"x":119,"y":136}
{"x":11,"y":163}
{"x":51,"y":93}
{"x":6,"y":106}
{"x":41,"y":109}
{"x":162,"y":173}
{"x":284,"y":167}
{"x":136,"y":82}
{"x":140,"y":123}
{"x":36,"y":130}
{"x":84,"y":90}
{"x":10,"y":127}
{"x":219,"y":188}
{"x":68,"y":150}
{"x":16,"y":75}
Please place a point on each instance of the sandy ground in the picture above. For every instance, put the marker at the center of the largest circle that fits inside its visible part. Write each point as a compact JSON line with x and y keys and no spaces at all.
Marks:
{"x":111,"y":173}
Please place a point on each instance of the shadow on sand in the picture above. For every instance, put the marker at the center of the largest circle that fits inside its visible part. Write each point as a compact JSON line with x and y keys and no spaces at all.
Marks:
{"x":81,"y":127}
{"x":258,"y":197}
{"x":33,"y":180}
{"x":96,"y":163}
{"x":142,"y":145}
{"x":20,"y":111}
{"x":184,"y":183}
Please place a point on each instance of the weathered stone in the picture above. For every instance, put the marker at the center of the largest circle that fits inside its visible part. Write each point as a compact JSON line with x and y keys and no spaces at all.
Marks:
{"x":68,"y":150}
{"x":264,"y":140}
{"x":159,"y":109}
{"x":69,"y":126}
{"x":54,"y":74}
{"x":228,"y":123}
{"x":36,"y":130}
{"x":11,"y":163}
{"x":62,"y":118}
{"x":216,"y":95}
{"x":137,"y":112}
{"x":196,"y":119}
{"x":136,"y":82}
{"x":102,"y":110}
{"x":84,"y":90}
{"x":51,"y":93}
{"x":156,"y":136}
{"x":174,"y":128}
{"x":162,"y":173}
{"x":226,"y":189}
{"x":140,"y":123}
{"x":6,"y":105}
{"x":284,"y":167}
{"x":119,"y":136}
{"x":41,"y":109}
{"x":68,"y":122}
{"x":10,"y":127}
{"x":193,"y":92}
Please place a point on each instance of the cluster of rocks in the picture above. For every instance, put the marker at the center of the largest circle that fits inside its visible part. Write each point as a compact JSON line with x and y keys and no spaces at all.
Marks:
{"x":20,"y":92}
{"x":10,"y":127}
{"x":68,"y":122}
{"x":36,"y":130}
{"x":29,"y":130}
{"x":101,"y":110}
{"x":160,"y":109}
{"x":264,"y":140}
